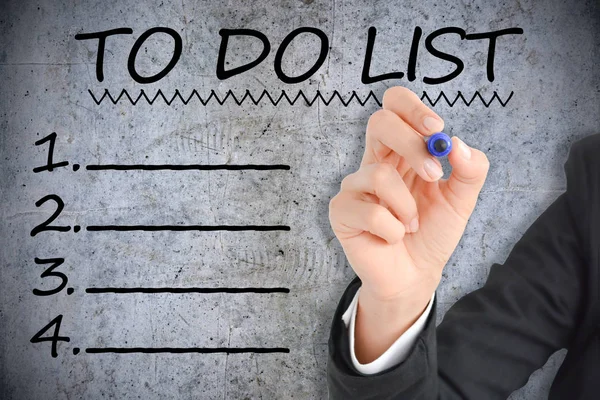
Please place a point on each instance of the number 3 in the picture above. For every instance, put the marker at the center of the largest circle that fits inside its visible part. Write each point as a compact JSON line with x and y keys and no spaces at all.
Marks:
{"x":56,"y":262}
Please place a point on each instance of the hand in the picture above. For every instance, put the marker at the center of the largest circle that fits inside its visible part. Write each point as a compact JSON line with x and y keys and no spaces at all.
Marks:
{"x":396,"y":220}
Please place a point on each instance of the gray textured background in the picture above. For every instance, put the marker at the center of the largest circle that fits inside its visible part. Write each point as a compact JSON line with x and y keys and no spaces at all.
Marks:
{"x":45,"y":74}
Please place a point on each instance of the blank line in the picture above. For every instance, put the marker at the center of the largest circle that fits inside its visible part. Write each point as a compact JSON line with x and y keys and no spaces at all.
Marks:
{"x":173,"y":167}
{"x":182,"y":228}
{"x":44,"y":63}
{"x":181,"y":350}
{"x":187,"y":290}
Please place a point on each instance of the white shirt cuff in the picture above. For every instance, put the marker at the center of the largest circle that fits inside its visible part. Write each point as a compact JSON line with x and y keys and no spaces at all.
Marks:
{"x":397,"y":352}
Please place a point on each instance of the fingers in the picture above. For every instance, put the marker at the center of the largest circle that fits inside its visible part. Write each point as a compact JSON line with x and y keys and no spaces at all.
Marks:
{"x":388,"y":129}
{"x":384,"y":181}
{"x":469,"y":171}
{"x":367,"y":216}
{"x":408,"y":106}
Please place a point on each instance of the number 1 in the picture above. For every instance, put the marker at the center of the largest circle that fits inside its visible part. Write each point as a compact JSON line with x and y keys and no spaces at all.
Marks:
{"x":50,"y":165}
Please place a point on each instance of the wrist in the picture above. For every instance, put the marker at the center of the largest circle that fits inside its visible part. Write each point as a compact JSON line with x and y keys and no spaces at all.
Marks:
{"x":406,"y":303}
{"x":398,"y":313}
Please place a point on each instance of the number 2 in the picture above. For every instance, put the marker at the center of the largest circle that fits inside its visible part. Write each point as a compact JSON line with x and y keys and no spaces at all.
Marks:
{"x":44,"y":226}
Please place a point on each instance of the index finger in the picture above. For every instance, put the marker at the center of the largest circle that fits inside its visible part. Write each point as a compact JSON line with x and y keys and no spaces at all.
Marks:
{"x":407,"y":105}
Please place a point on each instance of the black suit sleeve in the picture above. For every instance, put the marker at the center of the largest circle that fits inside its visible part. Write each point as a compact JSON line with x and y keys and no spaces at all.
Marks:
{"x":494,"y":338}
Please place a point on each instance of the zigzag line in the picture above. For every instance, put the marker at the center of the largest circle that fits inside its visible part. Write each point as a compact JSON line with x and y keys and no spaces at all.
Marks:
{"x":467,"y":103}
{"x":213,"y":96}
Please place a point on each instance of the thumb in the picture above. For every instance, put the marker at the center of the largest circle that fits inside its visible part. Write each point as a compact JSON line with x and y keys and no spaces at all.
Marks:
{"x":469,"y":171}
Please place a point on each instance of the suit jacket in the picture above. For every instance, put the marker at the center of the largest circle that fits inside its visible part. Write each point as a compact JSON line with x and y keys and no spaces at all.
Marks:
{"x":544,"y":297}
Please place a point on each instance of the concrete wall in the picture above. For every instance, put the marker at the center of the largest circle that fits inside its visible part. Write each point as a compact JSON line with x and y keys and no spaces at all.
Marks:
{"x":546,"y":80}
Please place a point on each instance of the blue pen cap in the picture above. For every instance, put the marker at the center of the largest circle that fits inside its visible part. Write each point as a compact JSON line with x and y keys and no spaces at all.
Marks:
{"x":439,"y":144}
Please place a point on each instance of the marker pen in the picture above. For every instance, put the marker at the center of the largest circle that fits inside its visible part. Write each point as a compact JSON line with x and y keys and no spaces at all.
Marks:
{"x":439,"y":144}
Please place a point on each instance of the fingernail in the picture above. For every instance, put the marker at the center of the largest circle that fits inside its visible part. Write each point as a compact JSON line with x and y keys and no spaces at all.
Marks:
{"x":406,"y":229}
{"x":414,"y":225}
{"x":433,"y":169}
{"x":432,"y":124}
{"x":465,"y":151}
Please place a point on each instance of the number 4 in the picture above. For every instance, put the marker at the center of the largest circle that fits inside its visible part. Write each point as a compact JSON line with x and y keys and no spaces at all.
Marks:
{"x":54,"y":339}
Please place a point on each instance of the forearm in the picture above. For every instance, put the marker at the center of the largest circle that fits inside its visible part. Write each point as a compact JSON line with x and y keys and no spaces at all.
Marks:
{"x":414,"y":378}
{"x":379,"y":323}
